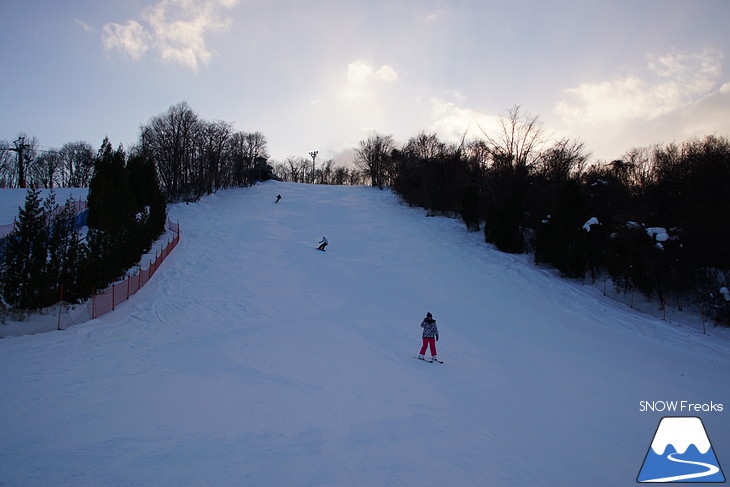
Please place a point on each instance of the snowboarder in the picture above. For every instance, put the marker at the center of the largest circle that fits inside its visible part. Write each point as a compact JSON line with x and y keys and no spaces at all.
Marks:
{"x":430,"y":336}
{"x":322,"y":244}
{"x":278,"y":197}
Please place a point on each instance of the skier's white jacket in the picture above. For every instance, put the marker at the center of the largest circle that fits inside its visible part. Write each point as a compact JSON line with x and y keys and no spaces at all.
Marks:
{"x":429,"y":329}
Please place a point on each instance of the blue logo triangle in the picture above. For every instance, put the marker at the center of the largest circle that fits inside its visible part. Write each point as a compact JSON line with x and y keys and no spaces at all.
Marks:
{"x":681,"y":452}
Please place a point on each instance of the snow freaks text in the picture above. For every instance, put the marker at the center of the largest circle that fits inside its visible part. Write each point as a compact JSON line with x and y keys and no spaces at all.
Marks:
{"x":679,"y":407}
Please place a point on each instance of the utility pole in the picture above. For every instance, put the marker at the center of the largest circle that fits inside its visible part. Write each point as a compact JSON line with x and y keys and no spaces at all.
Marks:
{"x":314,"y":157}
{"x":20,"y":146}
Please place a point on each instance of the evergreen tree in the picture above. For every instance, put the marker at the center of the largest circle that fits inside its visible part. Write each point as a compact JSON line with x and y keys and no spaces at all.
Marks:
{"x":54,"y":250}
{"x":66,"y":257}
{"x":127,"y":212}
{"x":507,"y":185}
{"x":25,"y":256}
{"x":470,"y":208}
{"x":149,"y":202}
{"x":110,"y":198}
{"x":568,"y":238}
{"x":111,"y":217}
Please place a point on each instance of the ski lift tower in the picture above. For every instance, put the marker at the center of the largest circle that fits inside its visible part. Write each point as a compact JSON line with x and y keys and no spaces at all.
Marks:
{"x":314,"y":157}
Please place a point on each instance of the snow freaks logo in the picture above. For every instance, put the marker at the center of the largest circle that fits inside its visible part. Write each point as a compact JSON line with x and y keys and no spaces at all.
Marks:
{"x":680,"y":452}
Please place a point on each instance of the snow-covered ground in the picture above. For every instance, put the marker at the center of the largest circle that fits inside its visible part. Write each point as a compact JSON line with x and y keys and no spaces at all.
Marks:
{"x":252,"y":359}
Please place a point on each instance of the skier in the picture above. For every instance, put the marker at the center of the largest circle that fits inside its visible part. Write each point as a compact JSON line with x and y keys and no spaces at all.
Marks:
{"x":278,"y":197}
{"x":430,"y":336}
{"x":323,"y":243}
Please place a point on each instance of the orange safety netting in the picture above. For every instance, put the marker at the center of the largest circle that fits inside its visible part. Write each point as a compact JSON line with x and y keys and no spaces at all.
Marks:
{"x":105,"y":301}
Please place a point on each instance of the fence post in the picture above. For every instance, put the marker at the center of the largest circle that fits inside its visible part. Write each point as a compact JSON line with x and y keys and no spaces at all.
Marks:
{"x":60,"y":306}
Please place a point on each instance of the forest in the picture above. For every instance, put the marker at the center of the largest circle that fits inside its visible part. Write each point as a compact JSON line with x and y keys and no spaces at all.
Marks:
{"x":49,"y":257}
{"x":652,"y":221}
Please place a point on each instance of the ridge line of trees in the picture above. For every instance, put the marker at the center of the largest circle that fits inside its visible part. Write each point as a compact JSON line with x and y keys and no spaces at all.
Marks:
{"x":651,"y":221}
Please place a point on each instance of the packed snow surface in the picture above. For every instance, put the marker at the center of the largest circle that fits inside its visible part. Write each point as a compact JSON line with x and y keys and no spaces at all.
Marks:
{"x":253,"y":359}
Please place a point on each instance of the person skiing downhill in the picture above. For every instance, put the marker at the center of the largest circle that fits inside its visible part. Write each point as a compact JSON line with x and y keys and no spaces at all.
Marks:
{"x":322,"y":243}
{"x":430,"y":336}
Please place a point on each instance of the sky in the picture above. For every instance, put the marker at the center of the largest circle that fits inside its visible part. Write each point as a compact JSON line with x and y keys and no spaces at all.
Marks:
{"x":324,"y":75}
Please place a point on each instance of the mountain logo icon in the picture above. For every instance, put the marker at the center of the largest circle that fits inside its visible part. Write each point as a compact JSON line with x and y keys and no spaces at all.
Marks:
{"x":681,"y":452}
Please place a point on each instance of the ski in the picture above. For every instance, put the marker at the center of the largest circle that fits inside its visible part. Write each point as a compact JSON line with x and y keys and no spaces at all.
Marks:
{"x":424,"y":359}
{"x":439,"y":361}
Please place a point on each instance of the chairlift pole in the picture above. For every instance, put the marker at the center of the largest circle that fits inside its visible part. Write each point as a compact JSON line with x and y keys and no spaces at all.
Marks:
{"x":314,"y":157}
{"x":20,"y":146}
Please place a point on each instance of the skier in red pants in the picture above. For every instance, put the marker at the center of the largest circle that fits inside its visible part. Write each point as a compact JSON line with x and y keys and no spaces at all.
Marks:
{"x":430,"y":336}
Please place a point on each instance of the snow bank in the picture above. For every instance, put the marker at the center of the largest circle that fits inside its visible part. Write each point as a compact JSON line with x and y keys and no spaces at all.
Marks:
{"x":592,"y":221}
{"x":658,"y":233}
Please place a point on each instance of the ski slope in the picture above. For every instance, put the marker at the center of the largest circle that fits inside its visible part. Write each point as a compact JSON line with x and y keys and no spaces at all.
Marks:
{"x":252,"y":359}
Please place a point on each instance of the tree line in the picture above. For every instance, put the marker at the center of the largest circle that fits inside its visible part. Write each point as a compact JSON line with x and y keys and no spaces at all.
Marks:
{"x":49,"y":256}
{"x":652,"y":220}
{"x":195,"y":157}
{"x":178,"y":157}
{"x":192,"y":157}
{"x":302,"y":170}
{"x":71,"y":166}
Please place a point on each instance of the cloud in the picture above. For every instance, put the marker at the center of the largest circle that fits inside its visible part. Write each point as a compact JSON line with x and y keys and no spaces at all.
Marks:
{"x":361,"y":77}
{"x":85,"y":26}
{"x":710,"y":115}
{"x":173,"y":29}
{"x":453,"y":122}
{"x":666,"y":84}
{"x":130,"y":38}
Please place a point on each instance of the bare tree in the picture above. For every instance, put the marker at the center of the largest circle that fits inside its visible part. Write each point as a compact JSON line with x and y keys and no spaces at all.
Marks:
{"x":324,"y":172}
{"x":295,"y":169}
{"x":519,"y":139}
{"x":340,"y":176}
{"x":563,"y":160}
{"x":215,"y":137}
{"x":46,"y":170}
{"x":170,"y":139}
{"x":640,"y":165}
{"x":77,"y":161}
{"x":256,"y":145}
{"x":372,"y":157}
{"x":7,"y":166}
{"x":424,"y":147}
{"x":244,"y":149}
{"x":356,"y":178}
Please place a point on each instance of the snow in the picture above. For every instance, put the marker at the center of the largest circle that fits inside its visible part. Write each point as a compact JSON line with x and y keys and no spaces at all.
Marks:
{"x":681,"y":432}
{"x":251,"y":359}
{"x":12,"y":199}
{"x":591,"y":221}
{"x":658,"y":233}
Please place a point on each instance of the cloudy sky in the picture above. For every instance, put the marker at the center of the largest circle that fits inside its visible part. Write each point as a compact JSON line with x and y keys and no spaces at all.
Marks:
{"x":322,"y":75}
